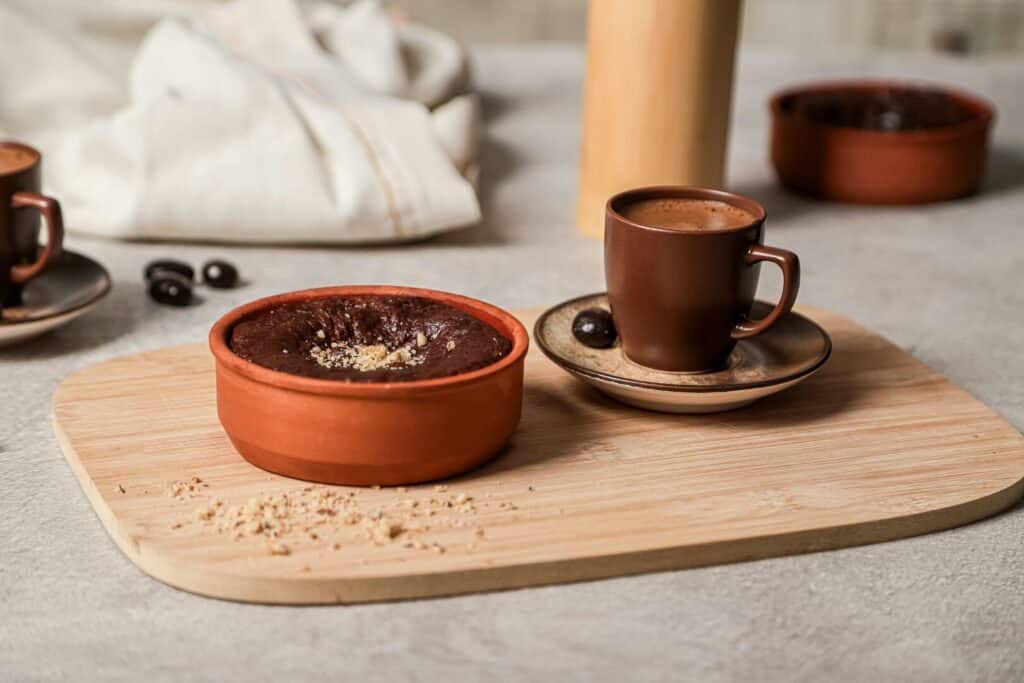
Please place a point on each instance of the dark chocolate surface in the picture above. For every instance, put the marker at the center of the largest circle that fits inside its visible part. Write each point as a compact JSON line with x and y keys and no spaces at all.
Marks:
{"x":881,"y":110}
{"x":285,"y":338}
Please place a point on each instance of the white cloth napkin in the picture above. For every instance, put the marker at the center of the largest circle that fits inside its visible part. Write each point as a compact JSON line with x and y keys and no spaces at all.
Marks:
{"x":256,"y":121}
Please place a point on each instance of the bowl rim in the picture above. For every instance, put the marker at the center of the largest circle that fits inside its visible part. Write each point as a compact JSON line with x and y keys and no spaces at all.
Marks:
{"x":982,"y":110}
{"x":506,"y":323}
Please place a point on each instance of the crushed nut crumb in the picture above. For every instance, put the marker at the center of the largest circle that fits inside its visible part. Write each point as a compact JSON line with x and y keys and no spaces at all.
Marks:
{"x":320,"y":517}
{"x":276,"y":548}
{"x":364,"y":357}
{"x":189,"y":488}
{"x":384,"y":531}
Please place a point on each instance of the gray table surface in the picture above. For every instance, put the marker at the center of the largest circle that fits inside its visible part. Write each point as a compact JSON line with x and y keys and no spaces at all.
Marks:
{"x":942,"y":281}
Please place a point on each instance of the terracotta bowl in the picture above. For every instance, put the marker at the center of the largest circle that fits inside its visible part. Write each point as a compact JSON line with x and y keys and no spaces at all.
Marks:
{"x":383,"y":433}
{"x":878,"y":167}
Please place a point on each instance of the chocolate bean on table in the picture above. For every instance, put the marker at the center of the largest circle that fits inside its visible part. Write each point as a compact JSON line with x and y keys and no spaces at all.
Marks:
{"x":220,"y":274}
{"x":169,"y":265}
{"x":170,"y":288}
{"x":594,"y":327}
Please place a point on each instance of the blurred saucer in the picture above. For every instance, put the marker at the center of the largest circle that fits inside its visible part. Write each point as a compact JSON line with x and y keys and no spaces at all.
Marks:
{"x":788,"y":353}
{"x":69,"y":288}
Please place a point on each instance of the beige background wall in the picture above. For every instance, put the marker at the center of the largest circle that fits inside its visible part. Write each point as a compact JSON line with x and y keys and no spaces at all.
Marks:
{"x":974,"y":26}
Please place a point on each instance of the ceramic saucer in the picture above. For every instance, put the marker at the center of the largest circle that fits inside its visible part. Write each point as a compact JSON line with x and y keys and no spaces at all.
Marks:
{"x":785,"y":355}
{"x":69,"y":288}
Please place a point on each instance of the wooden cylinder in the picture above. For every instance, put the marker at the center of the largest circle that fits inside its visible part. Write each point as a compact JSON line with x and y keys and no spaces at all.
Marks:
{"x":656,"y":98}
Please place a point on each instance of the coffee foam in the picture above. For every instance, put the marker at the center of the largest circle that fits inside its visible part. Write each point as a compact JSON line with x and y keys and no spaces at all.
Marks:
{"x":15,"y":159}
{"x":677,"y":213}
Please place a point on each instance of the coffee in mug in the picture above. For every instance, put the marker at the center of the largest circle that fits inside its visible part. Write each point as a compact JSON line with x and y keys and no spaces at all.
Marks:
{"x":682,"y":265}
{"x":15,"y":158}
{"x":21,"y":206}
{"x":687,"y":214}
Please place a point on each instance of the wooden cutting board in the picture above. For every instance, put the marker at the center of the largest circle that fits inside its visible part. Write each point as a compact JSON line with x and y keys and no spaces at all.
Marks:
{"x":875,"y":447}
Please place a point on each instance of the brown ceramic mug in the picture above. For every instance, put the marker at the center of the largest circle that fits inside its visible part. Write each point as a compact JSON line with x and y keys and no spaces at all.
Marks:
{"x":21,"y":204}
{"x":680,"y":296}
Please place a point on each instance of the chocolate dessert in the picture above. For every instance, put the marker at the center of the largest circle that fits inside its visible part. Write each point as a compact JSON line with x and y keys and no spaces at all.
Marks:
{"x":882,"y":110}
{"x":368,"y":338}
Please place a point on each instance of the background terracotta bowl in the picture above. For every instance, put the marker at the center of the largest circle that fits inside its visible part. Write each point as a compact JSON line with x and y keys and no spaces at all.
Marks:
{"x":879,"y":167}
{"x":384,"y":433}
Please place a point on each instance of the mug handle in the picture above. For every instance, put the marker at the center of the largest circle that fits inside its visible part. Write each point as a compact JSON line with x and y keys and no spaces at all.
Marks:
{"x":788,"y":262}
{"x":50,"y":210}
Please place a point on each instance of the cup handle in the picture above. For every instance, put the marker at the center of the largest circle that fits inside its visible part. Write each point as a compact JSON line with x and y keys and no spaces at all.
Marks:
{"x":790,"y":265}
{"x":50,"y":210}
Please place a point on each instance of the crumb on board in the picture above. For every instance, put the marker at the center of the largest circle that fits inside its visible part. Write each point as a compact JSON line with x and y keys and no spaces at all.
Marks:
{"x":186,"y":488}
{"x":320,"y":517}
{"x":276,"y":548}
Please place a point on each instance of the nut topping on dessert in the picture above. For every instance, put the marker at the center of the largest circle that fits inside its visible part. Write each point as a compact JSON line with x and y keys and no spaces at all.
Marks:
{"x":364,"y":357}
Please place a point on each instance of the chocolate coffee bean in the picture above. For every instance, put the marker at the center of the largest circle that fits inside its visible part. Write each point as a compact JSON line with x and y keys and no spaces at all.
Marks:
{"x":170,"y":288}
{"x":220,"y":274}
{"x":594,"y":327}
{"x":171,"y":266}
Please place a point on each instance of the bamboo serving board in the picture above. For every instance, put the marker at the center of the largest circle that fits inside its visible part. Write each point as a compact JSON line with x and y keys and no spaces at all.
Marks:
{"x":875,"y":447}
